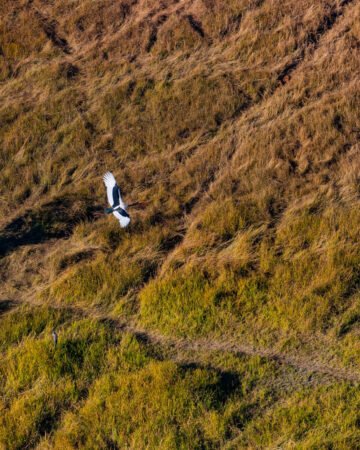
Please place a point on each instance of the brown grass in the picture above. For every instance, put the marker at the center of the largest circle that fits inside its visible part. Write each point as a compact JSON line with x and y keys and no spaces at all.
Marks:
{"x":234,"y":127}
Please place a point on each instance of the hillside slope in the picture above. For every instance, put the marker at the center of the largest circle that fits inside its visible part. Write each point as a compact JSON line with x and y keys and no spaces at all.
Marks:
{"x":227,"y":314}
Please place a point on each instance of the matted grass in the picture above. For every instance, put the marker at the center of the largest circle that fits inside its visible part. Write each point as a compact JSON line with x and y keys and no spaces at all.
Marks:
{"x":234,"y":130}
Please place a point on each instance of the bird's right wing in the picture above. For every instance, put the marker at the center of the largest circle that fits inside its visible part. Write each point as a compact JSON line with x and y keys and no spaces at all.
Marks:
{"x":123,"y":217}
{"x":110,"y":183}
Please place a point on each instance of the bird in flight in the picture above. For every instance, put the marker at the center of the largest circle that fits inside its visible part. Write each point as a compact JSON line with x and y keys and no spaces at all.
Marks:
{"x":118,"y":207}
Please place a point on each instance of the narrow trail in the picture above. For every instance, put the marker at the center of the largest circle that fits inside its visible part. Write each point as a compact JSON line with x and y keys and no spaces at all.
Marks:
{"x":178,"y":349}
{"x":196,"y":346}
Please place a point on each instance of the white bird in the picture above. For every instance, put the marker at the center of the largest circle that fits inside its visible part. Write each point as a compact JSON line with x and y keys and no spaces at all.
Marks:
{"x":118,"y":207}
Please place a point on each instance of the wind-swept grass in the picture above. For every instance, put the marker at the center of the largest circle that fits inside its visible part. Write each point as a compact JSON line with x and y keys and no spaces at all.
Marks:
{"x":233,"y":130}
{"x":298,"y":284}
{"x":319,"y":418}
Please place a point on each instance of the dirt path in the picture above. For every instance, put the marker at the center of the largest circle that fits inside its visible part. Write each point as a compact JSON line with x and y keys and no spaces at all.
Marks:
{"x":179,"y":347}
{"x":188,"y":351}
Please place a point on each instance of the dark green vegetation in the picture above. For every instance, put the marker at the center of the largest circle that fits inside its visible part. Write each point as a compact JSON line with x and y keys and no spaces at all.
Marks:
{"x":234,"y":126}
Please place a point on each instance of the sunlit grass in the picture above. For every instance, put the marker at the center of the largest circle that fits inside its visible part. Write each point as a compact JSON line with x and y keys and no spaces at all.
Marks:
{"x":234,"y":130}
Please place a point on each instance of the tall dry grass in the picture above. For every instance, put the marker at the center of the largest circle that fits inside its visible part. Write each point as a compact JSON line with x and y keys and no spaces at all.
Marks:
{"x":235,"y":129}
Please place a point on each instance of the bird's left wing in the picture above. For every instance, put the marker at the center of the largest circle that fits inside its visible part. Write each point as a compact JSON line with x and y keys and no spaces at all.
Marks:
{"x":110,"y":183}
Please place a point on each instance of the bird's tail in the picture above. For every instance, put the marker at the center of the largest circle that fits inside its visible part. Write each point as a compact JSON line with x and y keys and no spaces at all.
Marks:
{"x":108,"y":210}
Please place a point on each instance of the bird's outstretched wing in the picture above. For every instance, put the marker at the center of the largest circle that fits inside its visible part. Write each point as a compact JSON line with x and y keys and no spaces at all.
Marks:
{"x":115,"y":200}
{"x":113,"y":191}
{"x":110,"y":183}
{"x":122,"y":216}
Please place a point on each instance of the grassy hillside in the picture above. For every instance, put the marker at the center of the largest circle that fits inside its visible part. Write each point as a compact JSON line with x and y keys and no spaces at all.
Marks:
{"x":227,"y":314}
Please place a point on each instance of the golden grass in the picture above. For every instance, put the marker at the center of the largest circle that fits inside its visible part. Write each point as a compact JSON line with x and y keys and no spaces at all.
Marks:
{"x":235,"y":126}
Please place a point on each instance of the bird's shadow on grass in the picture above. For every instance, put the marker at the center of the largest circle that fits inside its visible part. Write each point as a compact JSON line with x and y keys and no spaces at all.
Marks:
{"x":53,"y":220}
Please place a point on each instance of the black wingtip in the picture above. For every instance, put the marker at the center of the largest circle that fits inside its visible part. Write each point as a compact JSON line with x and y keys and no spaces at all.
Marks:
{"x":108,"y":210}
